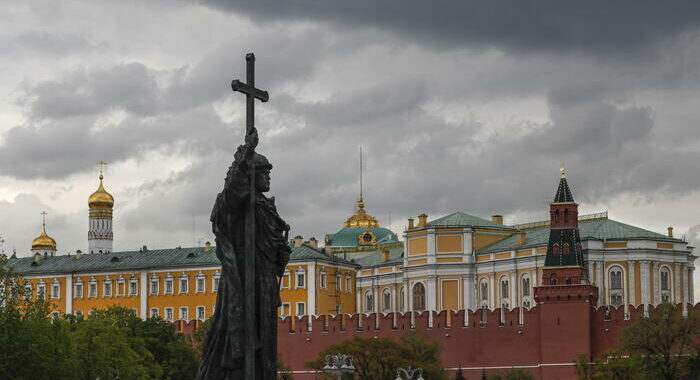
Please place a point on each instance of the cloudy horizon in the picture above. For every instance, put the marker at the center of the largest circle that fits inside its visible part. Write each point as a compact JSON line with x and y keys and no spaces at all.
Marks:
{"x":469,"y":107}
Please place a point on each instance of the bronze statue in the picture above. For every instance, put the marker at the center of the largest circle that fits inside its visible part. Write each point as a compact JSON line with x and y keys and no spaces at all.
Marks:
{"x":251,"y":243}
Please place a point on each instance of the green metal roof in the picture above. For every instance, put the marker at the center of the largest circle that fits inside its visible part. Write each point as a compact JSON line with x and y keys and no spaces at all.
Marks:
{"x":460,"y":219}
{"x":306,"y":252}
{"x":602,"y":229}
{"x":131,"y":260}
{"x":349,"y":236}
{"x":374,"y":258}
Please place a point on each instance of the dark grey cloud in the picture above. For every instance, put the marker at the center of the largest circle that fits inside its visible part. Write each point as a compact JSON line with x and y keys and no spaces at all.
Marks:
{"x":621,"y":28}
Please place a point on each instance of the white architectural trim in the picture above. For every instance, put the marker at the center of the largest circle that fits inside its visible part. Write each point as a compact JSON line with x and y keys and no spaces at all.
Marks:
{"x":632,"y":285}
{"x":644,"y":280}
{"x":69,"y":294}
{"x":143,"y":296}
{"x":311,"y":292}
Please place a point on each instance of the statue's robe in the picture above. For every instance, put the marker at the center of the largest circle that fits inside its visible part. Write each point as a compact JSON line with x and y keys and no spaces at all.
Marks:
{"x":224,"y":348}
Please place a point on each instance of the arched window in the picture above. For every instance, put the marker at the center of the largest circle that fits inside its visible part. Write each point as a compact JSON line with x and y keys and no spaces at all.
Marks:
{"x":555,"y":248}
{"x":566,"y":216}
{"x":402,"y":306}
{"x":556,"y":216}
{"x":665,"y":284}
{"x":525,"y":281}
{"x":418,"y":297}
{"x":386,"y":300}
{"x":484,"y":292}
{"x":566,"y":248}
{"x":504,"y":292}
{"x":553,"y":280}
{"x":616,"y":286}
{"x":369,"y":301}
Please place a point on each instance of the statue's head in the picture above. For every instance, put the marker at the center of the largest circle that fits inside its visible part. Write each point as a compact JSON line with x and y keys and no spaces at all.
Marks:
{"x":262,"y":173}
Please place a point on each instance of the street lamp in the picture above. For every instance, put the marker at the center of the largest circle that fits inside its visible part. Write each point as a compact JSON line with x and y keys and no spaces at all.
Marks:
{"x":339,"y":364}
{"x":409,"y":372}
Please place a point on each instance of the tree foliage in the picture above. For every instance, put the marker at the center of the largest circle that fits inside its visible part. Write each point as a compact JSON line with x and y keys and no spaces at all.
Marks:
{"x":379,"y":359}
{"x":661,"y":346}
{"x":110,"y":344}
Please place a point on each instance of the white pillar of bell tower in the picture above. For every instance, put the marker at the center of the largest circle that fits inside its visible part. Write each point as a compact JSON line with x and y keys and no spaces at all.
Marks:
{"x":101,"y":205}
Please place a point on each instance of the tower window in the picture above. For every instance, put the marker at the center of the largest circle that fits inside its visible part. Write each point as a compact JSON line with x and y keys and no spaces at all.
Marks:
{"x":556,"y":216}
{"x":566,"y":248}
{"x":566,"y":216}
{"x":419,"y":297}
{"x":555,"y":248}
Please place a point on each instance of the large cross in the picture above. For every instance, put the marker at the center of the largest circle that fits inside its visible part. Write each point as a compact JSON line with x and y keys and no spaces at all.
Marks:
{"x":102,"y":165}
{"x":43,"y":219}
{"x":251,"y":93}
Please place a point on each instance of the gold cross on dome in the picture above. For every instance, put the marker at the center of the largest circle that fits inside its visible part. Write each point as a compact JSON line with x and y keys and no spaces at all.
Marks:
{"x":102,"y":165}
{"x":43,"y":218}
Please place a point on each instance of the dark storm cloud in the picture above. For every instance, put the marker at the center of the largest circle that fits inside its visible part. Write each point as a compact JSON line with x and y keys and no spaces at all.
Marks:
{"x":129,"y":87}
{"x":612,"y":28}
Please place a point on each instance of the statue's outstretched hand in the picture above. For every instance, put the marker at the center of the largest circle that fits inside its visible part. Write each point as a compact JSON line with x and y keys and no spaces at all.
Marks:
{"x":251,"y":139}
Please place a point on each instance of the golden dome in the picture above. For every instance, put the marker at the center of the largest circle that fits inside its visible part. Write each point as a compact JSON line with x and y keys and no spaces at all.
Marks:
{"x":44,"y":241}
{"x":101,"y":198}
{"x":361,"y":218}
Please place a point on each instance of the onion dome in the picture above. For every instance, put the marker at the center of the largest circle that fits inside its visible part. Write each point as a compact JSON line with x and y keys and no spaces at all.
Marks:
{"x":361,"y":218}
{"x":101,"y":198}
{"x":44,"y":241}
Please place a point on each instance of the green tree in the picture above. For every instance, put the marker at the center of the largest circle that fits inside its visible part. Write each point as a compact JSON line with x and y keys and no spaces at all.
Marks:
{"x":378,"y":359}
{"x":661,"y":346}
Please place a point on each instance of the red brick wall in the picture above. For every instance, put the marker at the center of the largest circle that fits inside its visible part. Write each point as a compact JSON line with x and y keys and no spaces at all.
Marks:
{"x":546,"y":343}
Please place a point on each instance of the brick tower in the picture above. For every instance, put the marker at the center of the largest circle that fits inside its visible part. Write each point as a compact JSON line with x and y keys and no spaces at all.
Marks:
{"x":565,"y":297}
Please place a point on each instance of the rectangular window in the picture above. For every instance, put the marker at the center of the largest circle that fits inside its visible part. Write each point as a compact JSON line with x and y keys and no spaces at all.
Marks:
{"x":322,"y":280}
{"x":28,"y":292}
{"x":183,"y":314}
{"x":133,"y":288}
{"x":154,"y":312}
{"x":285,"y":281}
{"x":79,"y":314}
{"x":183,"y":285}
{"x":121,"y":291}
{"x":154,"y":286}
{"x":78,"y":291}
{"x":93,"y":291}
{"x":55,"y":291}
{"x":338,"y":283}
{"x":301,"y":308}
{"x":215,"y":287}
{"x":169,"y":314}
{"x":200,"y":313}
{"x":107,"y":289}
{"x":348,"y":284}
{"x":40,"y":292}
{"x":200,"y":284}
{"x":169,"y":286}
{"x":285,"y":309}
{"x":301,"y":280}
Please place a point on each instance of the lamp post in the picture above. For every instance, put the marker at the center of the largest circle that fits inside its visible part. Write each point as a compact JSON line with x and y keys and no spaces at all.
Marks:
{"x":409,"y":372}
{"x":339,"y":364}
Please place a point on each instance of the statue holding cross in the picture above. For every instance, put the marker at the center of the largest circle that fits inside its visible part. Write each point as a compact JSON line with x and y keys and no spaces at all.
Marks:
{"x":251,"y":243}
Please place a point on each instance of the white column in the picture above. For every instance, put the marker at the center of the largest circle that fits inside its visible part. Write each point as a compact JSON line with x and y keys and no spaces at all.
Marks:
{"x":606,"y":281}
{"x":590,"y":272}
{"x":684,"y":287}
{"x":431,"y":298}
{"x":514,"y":297}
{"x":691,"y":286}
{"x":69,"y":294}
{"x":358,"y":296}
{"x":600,"y":282}
{"x":406,"y":295}
{"x":657,"y":285}
{"x":492,"y":291}
{"x":533,"y":283}
{"x":143,"y":296}
{"x":468,"y":292}
{"x":677,"y":289}
{"x":311,"y":291}
{"x":632,"y":287}
{"x":645,"y":282}
{"x":467,"y":246}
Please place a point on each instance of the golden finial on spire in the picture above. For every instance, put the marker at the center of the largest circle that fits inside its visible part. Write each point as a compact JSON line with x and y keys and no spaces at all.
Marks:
{"x":43,"y":220}
{"x":102,"y":165}
{"x":563,"y":173}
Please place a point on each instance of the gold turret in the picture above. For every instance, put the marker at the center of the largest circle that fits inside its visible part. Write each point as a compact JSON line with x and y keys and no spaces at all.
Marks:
{"x":44,"y":241}
{"x":361,"y":218}
{"x":101,"y":199}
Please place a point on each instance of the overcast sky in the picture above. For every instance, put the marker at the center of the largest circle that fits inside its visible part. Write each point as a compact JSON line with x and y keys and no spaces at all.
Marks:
{"x":469,"y":107}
